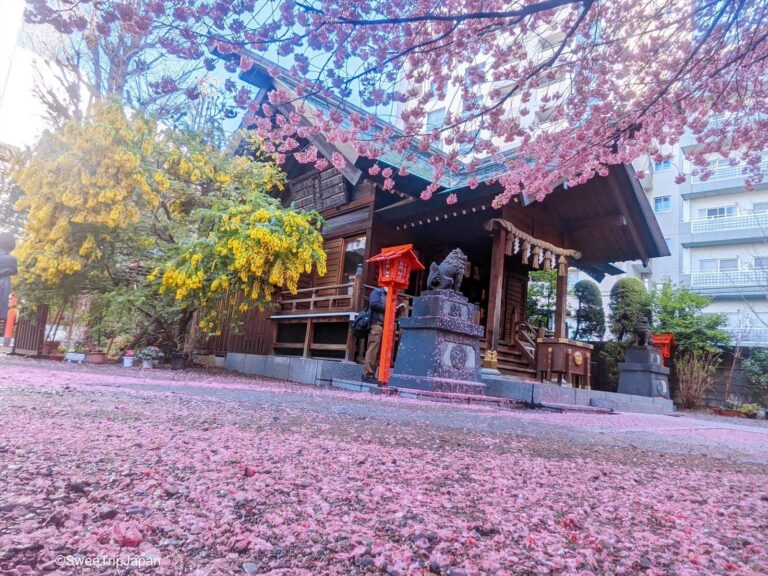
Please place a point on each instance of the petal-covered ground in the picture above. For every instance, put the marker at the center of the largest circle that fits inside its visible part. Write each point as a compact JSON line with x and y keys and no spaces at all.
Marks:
{"x":210,"y":473}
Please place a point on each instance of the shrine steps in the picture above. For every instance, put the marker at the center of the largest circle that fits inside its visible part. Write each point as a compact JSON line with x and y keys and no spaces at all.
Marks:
{"x":512,"y":362}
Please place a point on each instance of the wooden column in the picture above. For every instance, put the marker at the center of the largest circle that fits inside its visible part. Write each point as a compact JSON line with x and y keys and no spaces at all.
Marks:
{"x":561,"y":304}
{"x":308,"y":336}
{"x":495,"y":290}
{"x":356,"y":304}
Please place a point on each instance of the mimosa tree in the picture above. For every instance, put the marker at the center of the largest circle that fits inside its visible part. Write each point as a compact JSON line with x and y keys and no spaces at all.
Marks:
{"x":161,"y":221}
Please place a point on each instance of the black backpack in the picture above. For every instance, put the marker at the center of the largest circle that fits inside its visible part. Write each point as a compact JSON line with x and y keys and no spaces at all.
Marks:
{"x":361,"y":325}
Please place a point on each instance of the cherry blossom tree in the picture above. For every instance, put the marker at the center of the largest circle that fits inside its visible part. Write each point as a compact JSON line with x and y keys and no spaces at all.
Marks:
{"x":97,"y":51}
{"x":556,"y":91}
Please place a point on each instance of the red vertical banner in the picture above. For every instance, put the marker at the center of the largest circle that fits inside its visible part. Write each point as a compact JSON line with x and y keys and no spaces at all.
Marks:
{"x":11,"y":320}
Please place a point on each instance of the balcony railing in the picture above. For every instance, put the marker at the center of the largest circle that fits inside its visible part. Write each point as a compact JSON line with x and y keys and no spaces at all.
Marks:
{"x":755,"y":336}
{"x":726,"y":172}
{"x":730,"y":278}
{"x":740,"y":222}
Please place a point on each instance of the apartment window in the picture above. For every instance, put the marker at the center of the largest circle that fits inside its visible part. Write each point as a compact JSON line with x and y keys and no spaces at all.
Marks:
{"x":728,"y":264}
{"x":760,"y":207}
{"x":663,"y":165}
{"x":761,"y":263}
{"x":662,"y":204}
{"x":436,"y":119}
{"x":719,"y":265}
{"x":473,"y":73}
{"x":473,"y":103}
{"x":718,"y":212}
{"x":354,"y":254}
{"x":466,"y":147}
{"x":709,"y":265}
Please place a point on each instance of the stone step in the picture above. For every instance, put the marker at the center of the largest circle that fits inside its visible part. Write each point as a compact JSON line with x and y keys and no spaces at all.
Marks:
{"x":574,"y":408}
{"x":512,"y":366}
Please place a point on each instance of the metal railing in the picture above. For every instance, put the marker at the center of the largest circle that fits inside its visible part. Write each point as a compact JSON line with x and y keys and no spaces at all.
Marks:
{"x":726,"y":172}
{"x":740,"y":222}
{"x":730,"y":278}
{"x":754,"y":336}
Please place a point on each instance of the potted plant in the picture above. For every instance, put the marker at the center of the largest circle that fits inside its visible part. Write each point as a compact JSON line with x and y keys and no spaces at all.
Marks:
{"x":750,"y":410}
{"x":729,"y":408}
{"x":128,"y":357}
{"x":149,"y":356}
{"x":178,"y":361}
{"x":51,"y":347}
{"x":76,"y":353}
{"x":95,"y":355}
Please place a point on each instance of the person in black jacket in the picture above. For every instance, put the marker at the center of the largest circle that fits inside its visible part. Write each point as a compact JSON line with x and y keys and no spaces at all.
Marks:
{"x":377,"y":303}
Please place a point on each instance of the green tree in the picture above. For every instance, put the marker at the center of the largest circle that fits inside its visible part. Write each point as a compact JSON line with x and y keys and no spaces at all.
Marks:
{"x":679,"y":311}
{"x":629,"y":300}
{"x":542,"y":293}
{"x":756,"y":367}
{"x":159,"y":222}
{"x":590,"y":317}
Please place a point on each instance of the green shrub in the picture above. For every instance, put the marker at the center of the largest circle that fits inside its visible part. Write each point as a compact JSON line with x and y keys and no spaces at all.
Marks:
{"x":756,"y":367}
{"x":590,"y":318}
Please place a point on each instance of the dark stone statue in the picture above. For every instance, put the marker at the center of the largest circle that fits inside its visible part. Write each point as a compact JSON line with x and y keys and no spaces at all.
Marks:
{"x":642,"y":373}
{"x":7,"y":269}
{"x":643,"y":336}
{"x":449,"y":273}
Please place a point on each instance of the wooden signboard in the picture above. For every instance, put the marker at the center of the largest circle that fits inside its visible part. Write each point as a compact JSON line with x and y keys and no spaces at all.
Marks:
{"x":319,"y":190}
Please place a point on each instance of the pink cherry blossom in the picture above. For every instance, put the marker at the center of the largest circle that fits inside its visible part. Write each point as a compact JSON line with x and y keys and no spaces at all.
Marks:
{"x":217,"y":473}
{"x":338,"y":161}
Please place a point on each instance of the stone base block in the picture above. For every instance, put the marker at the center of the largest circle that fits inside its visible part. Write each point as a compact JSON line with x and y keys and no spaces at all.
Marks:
{"x":433,"y":384}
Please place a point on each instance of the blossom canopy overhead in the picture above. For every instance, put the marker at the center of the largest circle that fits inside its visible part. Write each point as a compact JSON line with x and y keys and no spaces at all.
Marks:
{"x":555,"y":90}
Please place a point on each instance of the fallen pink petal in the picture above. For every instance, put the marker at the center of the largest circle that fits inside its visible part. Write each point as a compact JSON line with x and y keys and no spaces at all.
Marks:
{"x":214,"y":473}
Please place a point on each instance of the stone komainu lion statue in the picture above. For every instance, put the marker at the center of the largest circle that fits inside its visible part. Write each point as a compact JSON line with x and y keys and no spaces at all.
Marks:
{"x":643,"y":336}
{"x":449,"y":273}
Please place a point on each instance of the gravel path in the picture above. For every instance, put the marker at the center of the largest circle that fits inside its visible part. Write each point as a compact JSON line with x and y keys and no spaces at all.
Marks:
{"x":207,"y":473}
{"x":683,"y":433}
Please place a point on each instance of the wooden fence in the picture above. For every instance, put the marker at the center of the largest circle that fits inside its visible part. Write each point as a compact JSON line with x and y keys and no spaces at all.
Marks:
{"x":30,"y":331}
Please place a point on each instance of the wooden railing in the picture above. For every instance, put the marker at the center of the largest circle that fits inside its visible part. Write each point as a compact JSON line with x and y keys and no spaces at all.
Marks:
{"x":334,"y":298}
{"x":526,"y":336}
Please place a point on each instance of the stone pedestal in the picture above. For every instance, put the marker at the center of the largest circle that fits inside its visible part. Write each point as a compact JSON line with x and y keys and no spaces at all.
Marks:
{"x":440,"y":345}
{"x":643,"y":374}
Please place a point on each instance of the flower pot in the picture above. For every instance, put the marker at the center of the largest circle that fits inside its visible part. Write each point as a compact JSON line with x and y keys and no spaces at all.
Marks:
{"x":50,"y":347}
{"x":147,"y":364}
{"x":128,"y":361}
{"x":96,"y":358}
{"x":178,"y":361}
{"x":727,"y":412}
{"x":78,"y":357}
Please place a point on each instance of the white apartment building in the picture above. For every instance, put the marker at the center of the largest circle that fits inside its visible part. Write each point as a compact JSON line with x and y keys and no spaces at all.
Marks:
{"x":717,"y":232}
